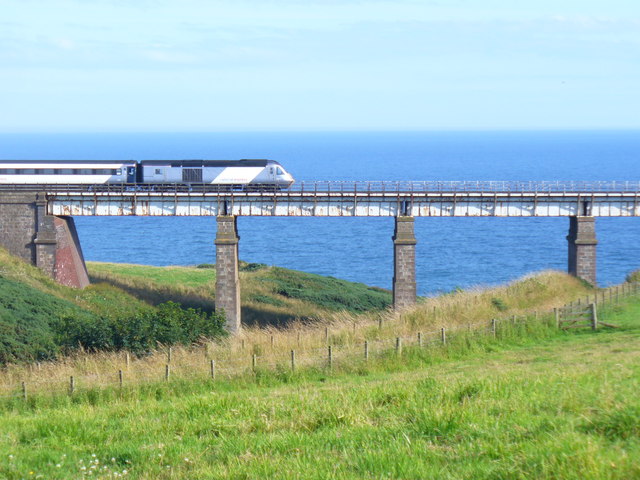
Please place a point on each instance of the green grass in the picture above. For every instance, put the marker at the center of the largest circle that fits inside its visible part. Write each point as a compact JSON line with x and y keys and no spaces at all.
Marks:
{"x":164,"y":276}
{"x":327,"y":292}
{"x":534,"y":403}
{"x":270,"y":295}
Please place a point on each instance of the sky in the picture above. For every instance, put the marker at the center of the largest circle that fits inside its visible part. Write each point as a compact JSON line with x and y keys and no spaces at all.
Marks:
{"x":278,"y":65}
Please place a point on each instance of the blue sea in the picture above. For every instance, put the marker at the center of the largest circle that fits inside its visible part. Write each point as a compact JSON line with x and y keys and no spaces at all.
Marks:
{"x":452,"y":252}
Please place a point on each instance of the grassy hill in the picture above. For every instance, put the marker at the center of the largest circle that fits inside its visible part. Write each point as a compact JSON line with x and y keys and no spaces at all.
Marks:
{"x":270,"y":295}
{"x":523,"y":400}
{"x":545,"y":405}
{"x":127,"y":306}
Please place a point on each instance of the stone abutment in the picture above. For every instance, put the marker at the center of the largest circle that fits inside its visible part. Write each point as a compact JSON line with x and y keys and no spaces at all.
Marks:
{"x":46,"y":241}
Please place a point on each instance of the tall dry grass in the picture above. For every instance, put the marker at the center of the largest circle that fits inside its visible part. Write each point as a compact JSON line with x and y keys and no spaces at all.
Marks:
{"x":309,"y":339}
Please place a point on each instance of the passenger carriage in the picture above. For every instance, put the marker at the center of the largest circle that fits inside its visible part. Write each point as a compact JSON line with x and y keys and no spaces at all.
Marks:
{"x":226,"y":174}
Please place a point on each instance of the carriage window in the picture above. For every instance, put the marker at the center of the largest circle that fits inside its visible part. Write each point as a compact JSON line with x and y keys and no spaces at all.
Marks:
{"x":27,"y":171}
{"x":118,"y":171}
{"x":158,"y":171}
{"x":48,"y":171}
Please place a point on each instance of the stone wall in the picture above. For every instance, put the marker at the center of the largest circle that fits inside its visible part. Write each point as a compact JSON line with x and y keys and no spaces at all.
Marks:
{"x":18,"y":225}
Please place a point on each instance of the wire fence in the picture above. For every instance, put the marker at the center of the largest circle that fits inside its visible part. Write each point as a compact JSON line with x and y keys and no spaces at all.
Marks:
{"x":329,"y":352}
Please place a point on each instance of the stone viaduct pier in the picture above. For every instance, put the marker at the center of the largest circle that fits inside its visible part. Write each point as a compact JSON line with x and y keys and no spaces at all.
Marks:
{"x":37,"y":224}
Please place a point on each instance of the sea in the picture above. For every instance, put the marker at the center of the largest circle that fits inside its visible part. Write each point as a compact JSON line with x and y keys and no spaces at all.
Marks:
{"x":451,"y":252}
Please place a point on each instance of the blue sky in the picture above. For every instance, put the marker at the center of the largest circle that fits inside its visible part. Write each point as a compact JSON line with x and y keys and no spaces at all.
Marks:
{"x":216,"y":65}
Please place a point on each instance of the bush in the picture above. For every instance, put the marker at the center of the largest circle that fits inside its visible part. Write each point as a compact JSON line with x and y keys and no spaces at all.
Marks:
{"x":633,"y":276}
{"x":499,"y":304}
{"x":251,"y":267}
{"x":167,"y":325}
{"x":26,"y":318}
{"x":38,"y":326}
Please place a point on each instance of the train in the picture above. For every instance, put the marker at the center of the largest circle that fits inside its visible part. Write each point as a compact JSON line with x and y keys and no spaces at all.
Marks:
{"x":232,"y":174}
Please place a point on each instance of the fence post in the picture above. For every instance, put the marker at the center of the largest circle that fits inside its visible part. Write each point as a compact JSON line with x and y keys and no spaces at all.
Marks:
{"x":594,"y":317}
{"x":167,"y":372}
{"x":254,"y":361}
{"x":72,"y":385}
{"x":293,"y":360}
{"x":398,"y":346}
{"x":272,"y":342}
{"x":24,"y":391}
{"x":366,"y":350}
{"x":493,"y":327}
{"x":128,"y":360}
{"x":379,"y":323}
{"x":556,"y":314}
{"x":326,"y":335}
{"x":443,"y":336}
{"x":420,"y":339}
{"x":169,"y":355}
{"x":329,"y":357}
{"x":120,"y":379}
{"x":212,"y":368}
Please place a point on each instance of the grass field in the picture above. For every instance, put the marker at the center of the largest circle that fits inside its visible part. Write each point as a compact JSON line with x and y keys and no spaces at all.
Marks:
{"x":541,"y":404}
{"x":270,"y":295}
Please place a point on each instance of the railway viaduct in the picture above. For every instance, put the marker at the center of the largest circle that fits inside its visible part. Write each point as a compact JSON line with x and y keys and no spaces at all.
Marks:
{"x":37,"y":225}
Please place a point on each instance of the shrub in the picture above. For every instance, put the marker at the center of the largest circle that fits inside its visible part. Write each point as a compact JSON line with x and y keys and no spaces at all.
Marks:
{"x":500,"y":305}
{"x":38,"y":326}
{"x":633,"y":276}
{"x":251,"y":267}
{"x":26,"y":319}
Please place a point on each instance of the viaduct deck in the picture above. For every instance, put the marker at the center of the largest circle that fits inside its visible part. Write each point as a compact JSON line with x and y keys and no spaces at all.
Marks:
{"x":360,"y":199}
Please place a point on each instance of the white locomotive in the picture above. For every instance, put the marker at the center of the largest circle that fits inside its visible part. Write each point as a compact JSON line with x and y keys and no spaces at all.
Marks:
{"x":227,"y":173}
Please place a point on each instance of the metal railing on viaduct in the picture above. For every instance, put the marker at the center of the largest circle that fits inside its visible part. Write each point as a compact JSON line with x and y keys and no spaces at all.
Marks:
{"x":366,"y":199}
{"x":36,"y":221}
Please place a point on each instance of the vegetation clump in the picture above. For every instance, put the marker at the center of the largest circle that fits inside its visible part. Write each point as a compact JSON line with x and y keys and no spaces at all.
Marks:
{"x":328,"y":292}
{"x":633,"y":277}
{"x":38,"y":326}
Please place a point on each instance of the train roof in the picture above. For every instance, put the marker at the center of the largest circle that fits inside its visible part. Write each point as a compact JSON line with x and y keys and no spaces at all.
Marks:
{"x":66,"y":162}
{"x":173,"y":163}
{"x":212,"y":163}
